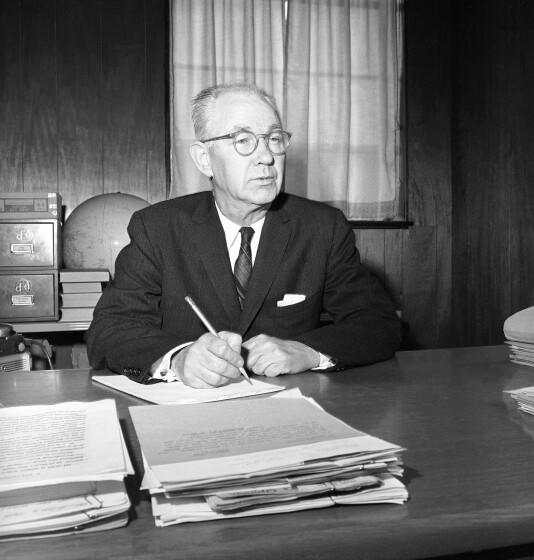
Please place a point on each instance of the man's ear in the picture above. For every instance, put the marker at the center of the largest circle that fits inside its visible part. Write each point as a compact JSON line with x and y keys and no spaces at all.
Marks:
{"x":201,"y":157}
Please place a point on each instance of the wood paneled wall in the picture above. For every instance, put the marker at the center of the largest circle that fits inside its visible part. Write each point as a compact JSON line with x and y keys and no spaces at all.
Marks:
{"x":493,"y":165}
{"x":83,"y":97}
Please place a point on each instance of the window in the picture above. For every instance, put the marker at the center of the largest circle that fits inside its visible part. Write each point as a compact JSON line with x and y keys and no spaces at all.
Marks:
{"x":335,"y":69}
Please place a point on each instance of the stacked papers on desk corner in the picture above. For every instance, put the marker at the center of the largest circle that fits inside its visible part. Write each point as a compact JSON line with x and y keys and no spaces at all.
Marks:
{"x":521,"y":352}
{"x":62,"y":469}
{"x":524,"y":398}
{"x":519,"y":333}
{"x":259,"y":456}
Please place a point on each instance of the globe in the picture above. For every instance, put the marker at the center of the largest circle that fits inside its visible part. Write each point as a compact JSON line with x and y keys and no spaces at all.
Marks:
{"x":95,"y":231}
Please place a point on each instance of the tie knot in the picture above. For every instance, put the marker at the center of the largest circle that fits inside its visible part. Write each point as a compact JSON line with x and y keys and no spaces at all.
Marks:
{"x":246,"y":235}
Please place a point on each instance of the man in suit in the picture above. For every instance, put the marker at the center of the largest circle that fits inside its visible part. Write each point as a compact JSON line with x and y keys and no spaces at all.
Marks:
{"x":264,"y":266}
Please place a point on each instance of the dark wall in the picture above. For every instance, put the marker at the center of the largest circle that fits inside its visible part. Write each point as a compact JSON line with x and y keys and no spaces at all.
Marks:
{"x":83,"y":111}
{"x":470,"y":168}
{"x":492,"y":165}
{"x":82,"y":97}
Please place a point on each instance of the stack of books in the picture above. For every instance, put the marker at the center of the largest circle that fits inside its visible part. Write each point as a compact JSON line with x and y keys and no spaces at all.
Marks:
{"x":259,"y":456}
{"x":62,"y":469}
{"x":80,"y":291}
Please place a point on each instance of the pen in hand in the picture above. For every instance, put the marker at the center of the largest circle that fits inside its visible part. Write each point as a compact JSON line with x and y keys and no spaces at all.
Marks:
{"x":210,"y":328}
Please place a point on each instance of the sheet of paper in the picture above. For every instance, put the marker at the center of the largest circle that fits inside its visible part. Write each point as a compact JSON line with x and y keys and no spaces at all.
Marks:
{"x":178,"y":393}
{"x":48,"y":444}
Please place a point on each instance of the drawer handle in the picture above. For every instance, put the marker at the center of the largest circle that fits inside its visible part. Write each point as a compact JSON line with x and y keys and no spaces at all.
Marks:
{"x":24,"y":299}
{"x":22,"y":248}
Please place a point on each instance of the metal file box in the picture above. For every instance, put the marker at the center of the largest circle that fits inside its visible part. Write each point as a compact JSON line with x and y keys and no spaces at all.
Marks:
{"x":28,"y":295}
{"x":29,"y":243}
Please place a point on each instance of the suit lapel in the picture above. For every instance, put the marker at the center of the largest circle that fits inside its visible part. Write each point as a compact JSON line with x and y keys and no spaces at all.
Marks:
{"x":211,"y":246}
{"x":275,"y":236}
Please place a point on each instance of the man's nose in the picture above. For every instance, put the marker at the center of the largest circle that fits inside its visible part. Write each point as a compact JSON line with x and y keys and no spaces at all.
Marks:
{"x":263,"y":154}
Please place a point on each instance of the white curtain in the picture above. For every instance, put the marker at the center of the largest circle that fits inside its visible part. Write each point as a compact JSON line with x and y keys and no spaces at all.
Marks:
{"x":335,"y":68}
{"x":343,"y":104}
{"x":219,"y":41}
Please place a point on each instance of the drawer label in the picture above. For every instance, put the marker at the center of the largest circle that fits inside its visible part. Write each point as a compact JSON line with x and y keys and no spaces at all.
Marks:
{"x":24,"y":299}
{"x":22,"y":248}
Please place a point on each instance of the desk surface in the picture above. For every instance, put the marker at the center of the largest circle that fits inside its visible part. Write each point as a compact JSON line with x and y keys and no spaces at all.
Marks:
{"x":469,"y":468}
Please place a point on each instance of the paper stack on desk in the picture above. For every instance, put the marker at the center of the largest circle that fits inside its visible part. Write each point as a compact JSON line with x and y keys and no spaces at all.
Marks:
{"x":524,"y":398}
{"x":519,"y":332}
{"x":259,"y":456}
{"x":62,"y":469}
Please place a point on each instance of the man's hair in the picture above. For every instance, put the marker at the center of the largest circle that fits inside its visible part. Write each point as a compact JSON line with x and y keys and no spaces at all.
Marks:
{"x":204,"y":100}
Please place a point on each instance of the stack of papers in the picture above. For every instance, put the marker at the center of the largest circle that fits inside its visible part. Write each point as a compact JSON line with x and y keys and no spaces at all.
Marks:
{"x":259,"y":456}
{"x":62,"y":469}
{"x":524,"y":398}
{"x":519,"y":333}
{"x":521,"y":352}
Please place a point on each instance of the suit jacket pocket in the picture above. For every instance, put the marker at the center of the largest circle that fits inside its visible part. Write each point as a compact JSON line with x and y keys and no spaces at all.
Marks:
{"x":292,"y":320}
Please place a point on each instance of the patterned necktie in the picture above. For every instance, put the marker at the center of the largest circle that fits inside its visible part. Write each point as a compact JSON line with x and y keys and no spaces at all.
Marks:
{"x":243,"y":264}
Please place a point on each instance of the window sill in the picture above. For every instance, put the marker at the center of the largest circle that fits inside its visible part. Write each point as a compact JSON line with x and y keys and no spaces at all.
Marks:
{"x":378,"y":224}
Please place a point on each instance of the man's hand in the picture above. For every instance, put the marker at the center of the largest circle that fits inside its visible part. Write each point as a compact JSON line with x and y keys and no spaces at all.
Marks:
{"x":272,"y":356}
{"x":211,"y":361}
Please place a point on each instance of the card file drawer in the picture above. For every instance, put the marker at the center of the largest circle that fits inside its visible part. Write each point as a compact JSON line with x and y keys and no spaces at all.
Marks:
{"x":28,"y":295}
{"x":29,"y":244}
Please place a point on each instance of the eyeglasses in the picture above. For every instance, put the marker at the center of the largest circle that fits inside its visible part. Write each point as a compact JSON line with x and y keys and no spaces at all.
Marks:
{"x":246,"y":142}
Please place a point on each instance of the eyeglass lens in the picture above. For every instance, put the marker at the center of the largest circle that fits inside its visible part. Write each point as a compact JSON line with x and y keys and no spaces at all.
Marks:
{"x":246,"y":142}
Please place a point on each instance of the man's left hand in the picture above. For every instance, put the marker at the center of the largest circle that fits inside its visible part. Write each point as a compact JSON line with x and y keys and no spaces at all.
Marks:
{"x":272,"y":356}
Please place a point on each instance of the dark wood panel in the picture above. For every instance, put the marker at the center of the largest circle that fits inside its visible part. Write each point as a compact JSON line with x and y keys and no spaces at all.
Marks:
{"x":124,"y":97}
{"x":39,"y":81}
{"x":443,"y":287}
{"x":80,"y":171}
{"x":370,"y":243}
{"x":522,"y":199}
{"x":11,"y":137}
{"x":157,"y":121}
{"x":393,"y":267}
{"x":490,"y":142}
{"x":428,"y":111}
{"x":426,"y":249}
{"x":419,"y":287}
{"x":381,"y":253}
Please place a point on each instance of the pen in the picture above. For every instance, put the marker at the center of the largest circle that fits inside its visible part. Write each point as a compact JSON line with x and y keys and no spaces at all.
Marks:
{"x":210,"y":328}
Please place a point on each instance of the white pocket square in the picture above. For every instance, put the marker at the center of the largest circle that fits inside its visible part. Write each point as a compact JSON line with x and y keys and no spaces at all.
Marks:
{"x":290,"y":299}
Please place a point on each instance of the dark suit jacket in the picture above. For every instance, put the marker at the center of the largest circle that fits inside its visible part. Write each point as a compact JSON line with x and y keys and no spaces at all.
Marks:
{"x":178,"y":248}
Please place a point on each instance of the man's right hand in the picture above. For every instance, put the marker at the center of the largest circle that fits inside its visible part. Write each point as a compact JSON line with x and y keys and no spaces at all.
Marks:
{"x":211,"y":361}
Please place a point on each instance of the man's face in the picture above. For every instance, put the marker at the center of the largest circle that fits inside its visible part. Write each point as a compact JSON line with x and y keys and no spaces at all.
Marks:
{"x":243,"y":182}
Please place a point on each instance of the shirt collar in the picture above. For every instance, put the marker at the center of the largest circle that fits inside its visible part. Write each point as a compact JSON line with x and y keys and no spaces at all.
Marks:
{"x":231,"y":229}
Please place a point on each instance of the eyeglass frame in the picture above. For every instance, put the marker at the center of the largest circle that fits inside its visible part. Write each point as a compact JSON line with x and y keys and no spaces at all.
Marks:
{"x":233,"y":135}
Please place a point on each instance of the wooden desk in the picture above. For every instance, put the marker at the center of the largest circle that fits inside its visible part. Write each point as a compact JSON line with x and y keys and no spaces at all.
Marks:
{"x":469,"y":469}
